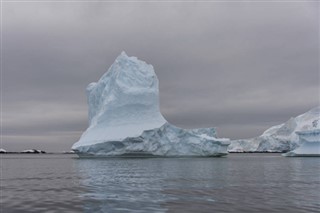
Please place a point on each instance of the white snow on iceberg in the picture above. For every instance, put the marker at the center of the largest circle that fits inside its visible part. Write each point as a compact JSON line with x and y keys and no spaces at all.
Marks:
{"x":125,"y":119}
{"x":280,"y":138}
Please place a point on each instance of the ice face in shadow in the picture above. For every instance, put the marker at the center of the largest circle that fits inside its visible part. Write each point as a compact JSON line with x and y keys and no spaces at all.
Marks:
{"x":283,"y":137}
{"x":125,"y":119}
{"x":309,"y":144}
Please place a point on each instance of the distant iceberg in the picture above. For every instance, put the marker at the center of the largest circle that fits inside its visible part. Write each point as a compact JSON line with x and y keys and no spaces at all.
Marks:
{"x":34,"y":151}
{"x":125,"y":120}
{"x":281,"y":138}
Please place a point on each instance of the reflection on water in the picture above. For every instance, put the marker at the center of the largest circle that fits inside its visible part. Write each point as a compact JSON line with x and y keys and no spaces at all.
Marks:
{"x":149,"y":185}
{"x":237,"y":183}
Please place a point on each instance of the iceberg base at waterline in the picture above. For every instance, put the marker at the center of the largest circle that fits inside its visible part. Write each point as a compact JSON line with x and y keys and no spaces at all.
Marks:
{"x":167,"y":140}
{"x":310,"y":145}
{"x":125,"y":119}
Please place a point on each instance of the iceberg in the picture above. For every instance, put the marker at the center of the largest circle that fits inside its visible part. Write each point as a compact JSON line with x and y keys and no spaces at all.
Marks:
{"x":281,"y":138}
{"x":125,"y":119}
{"x":309,"y":144}
{"x":34,"y":151}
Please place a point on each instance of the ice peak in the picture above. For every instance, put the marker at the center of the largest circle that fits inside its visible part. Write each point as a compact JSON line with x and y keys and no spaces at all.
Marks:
{"x":124,"y":58}
{"x":123,"y":55}
{"x":127,"y":84}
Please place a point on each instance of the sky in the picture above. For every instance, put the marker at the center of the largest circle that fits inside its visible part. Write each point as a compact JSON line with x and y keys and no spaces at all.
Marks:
{"x":239,"y":66}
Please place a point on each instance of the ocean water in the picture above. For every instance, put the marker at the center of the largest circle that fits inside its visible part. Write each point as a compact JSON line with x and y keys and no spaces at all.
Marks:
{"x":236,"y":183}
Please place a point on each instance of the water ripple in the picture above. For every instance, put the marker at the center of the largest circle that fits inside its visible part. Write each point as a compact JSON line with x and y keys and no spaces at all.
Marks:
{"x":238,"y":183}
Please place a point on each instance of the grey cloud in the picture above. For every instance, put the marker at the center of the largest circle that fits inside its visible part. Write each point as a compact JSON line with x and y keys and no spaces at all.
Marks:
{"x":37,"y":117}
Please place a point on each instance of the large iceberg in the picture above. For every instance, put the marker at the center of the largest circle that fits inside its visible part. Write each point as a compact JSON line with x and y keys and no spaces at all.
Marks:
{"x":125,"y":120}
{"x":280,"y":138}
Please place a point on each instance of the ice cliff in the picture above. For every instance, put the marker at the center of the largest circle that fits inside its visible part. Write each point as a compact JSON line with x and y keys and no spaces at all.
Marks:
{"x":309,"y":144}
{"x":283,"y":137}
{"x":124,"y":118}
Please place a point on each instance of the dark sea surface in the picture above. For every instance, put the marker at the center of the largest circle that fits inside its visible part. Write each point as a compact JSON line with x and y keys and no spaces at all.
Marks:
{"x":236,"y":183}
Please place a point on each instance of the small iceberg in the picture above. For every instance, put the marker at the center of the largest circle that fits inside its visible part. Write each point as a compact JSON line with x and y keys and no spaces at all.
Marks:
{"x":33,"y":151}
{"x":280,"y":138}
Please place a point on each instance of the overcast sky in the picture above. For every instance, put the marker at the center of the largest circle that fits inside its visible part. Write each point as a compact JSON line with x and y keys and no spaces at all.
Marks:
{"x":238,"y":66}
